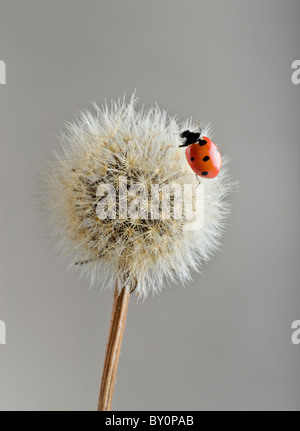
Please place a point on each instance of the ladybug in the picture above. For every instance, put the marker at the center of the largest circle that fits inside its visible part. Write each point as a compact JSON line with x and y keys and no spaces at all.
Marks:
{"x":202,"y":154}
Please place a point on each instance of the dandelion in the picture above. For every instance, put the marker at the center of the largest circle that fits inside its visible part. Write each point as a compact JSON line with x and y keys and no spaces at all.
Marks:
{"x":107,"y":164}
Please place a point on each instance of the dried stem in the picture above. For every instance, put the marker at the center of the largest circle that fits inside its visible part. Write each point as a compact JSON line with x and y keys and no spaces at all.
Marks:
{"x":115,"y":337}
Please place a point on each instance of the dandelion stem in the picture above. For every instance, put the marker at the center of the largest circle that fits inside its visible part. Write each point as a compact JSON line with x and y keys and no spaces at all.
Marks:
{"x":115,"y":337}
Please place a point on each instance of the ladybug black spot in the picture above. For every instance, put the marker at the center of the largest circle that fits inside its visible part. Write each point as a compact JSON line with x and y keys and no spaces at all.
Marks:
{"x":204,"y":173}
{"x":205,"y":159}
{"x":192,"y":159}
{"x":202,"y":142}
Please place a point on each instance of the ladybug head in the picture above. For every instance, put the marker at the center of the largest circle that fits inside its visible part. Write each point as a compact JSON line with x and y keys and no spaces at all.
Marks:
{"x":185,"y":134}
{"x":190,"y":138}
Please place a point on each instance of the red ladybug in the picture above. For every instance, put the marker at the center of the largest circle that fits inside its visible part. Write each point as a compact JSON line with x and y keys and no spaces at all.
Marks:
{"x":202,"y":154}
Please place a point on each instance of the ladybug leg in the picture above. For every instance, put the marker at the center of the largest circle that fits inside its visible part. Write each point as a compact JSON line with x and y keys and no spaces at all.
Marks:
{"x":199,"y":182}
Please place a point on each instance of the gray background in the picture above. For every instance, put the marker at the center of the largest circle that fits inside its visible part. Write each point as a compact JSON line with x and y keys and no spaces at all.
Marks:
{"x":224,"y":342}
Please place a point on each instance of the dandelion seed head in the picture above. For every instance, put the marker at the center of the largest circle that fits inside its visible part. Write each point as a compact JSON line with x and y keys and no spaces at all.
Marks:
{"x":143,"y":147}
